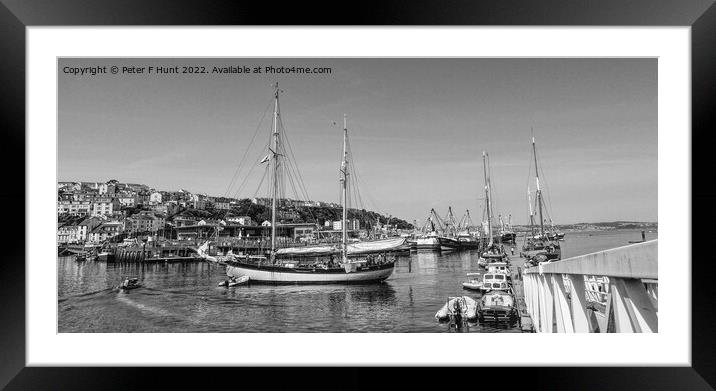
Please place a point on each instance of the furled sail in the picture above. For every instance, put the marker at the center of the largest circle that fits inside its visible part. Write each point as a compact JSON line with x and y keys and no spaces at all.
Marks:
{"x":307,"y":250}
{"x":375,"y":246}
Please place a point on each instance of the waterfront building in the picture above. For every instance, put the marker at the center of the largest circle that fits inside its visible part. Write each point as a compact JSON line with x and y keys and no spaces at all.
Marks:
{"x":353,"y":225}
{"x":85,"y":227}
{"x":144,"y":221}
{"x":68,"y":234}
{"x":241,"y":220}
{"x":184,"y":221}
{"x":106,"y":231}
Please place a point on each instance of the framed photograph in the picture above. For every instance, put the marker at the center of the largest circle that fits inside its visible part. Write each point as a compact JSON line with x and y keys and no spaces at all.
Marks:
{"x":450,"y":191}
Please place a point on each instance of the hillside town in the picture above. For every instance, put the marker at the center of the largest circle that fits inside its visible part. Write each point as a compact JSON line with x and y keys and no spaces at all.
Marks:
{"x":110,"y":212}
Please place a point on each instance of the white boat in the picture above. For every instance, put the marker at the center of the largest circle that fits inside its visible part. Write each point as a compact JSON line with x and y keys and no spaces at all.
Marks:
{"x":473,"y":283}
{"x":464,"y":306}
{"x":495,"y":281}
{"x":430,"y":241}
{"x":498,"y":307}
{"x":354,"y":263}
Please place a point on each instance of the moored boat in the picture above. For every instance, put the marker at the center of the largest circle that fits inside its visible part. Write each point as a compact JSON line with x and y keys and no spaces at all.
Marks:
{"x":369,"y":261}
{"x":462,"y":306}
{"x":544,"y":243}
{"x":473,"y":283}
{"x":498,"y":306}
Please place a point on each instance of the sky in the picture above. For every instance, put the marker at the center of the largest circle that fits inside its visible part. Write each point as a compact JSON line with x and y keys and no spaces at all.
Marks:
{"x":417,"y":128}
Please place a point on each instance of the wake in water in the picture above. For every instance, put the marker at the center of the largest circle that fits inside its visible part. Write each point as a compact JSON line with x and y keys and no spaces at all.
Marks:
{"x":63,"y":299}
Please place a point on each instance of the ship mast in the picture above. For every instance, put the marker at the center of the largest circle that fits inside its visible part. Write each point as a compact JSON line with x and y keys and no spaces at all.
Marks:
{"x":539,"y":192}
{"x":529,"y":205}
{"x":344,"y":183}
{"x":274,"y":168}
{"x":487,"y":198}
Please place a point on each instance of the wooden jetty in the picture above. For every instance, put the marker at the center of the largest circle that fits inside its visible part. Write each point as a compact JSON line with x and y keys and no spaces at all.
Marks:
{"x":516,"y":268}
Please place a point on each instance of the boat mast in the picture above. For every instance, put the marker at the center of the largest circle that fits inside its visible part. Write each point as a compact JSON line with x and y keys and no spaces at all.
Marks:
{"x":344,"y":182}
{"x":532,"y":219}
{"x":274,"y":168}
{"x":487,"y":197}
{"x":539,"y":192}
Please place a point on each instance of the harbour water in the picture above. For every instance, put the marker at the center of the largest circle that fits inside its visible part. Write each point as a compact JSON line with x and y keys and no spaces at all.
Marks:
{"x":184,"y":297}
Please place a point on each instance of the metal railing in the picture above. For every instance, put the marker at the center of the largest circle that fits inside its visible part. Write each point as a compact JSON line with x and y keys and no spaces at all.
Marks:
{"x":608,"y":291}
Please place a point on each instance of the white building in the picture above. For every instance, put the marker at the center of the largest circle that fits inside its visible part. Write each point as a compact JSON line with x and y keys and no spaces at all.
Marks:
{"x":155,"y":198}
{"x":242,"y":220}
{"x":104,"y":206}
{"x":352,"y":225}
{"x":74,"y":208}
{"x":127,"y":201}
{"x":68,"y":234}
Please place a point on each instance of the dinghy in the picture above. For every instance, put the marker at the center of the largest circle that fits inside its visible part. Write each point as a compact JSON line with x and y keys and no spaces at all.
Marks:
{"x":129,"y":283}
{"x":239,"y":281}
{"x":234,"y":281}
{"x":473,"y":283}
{"x":462,"y":305}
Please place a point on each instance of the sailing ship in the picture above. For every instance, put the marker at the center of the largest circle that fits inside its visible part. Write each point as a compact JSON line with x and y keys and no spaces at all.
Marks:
{"x":493,"y":251}
{"x":541,"y":243}
{"x":360,"y":262}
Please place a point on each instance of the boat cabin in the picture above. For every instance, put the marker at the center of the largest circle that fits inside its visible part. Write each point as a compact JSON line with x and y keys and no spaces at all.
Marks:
{"x":492,"y":281}
{"x":498,"y":299}
{"x":498,"y":267}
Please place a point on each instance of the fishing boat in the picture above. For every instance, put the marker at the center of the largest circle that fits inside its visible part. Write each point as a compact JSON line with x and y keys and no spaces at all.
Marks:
{"x":436,"y":237}
{"x":507,"y":235}
{"x":360,"y":262}
{"x":539,"y":243}
{"x":429,"y":241}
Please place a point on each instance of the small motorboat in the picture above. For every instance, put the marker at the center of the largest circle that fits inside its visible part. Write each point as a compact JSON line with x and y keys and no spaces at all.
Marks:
{"x":234,"y":281}
{"x":129,"y":283}
{"x":463,"y":306}
{"x":473,"y":283}
{"x":498,"y":306}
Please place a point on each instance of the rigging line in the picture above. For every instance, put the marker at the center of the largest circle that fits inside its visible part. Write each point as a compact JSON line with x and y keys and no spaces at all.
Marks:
{"x":549,"y":198}
{"x":262,"y":181}
{"x":248,"y":147}
{"x":293,"y":158}
{"x":248,"y":175}
{"x":355,"y":175}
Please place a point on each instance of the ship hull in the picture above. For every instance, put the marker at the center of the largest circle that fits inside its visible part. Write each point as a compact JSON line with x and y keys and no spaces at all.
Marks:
{"x":428,"y":244}
{"x":283,"y":275}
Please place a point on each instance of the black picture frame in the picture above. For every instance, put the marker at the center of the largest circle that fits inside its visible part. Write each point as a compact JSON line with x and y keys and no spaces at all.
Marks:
{"x":16,"y":15}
